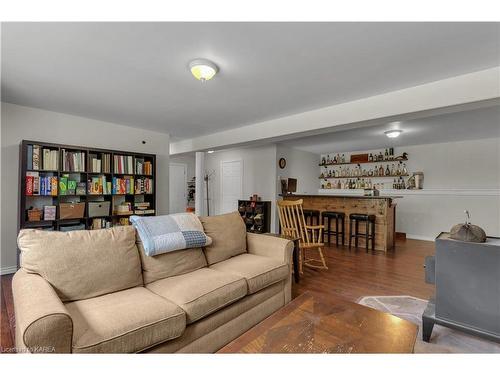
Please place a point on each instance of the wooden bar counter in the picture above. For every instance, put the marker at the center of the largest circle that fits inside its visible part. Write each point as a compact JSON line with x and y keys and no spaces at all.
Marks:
{"x":383,"y":207}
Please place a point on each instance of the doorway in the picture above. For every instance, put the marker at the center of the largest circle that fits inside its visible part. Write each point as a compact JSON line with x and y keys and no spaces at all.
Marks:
{"x":231,"y":185}
{"x":177,"y":188}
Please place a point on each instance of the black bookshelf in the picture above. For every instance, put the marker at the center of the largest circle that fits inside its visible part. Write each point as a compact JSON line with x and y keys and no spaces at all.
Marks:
{"x":249,"y":210}
{"x":85,"y":222}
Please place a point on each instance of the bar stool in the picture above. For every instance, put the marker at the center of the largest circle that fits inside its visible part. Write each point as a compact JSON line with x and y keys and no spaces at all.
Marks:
{"x":369,"y":221}
{"x":310,"y":215}
{"x":338,"y":216}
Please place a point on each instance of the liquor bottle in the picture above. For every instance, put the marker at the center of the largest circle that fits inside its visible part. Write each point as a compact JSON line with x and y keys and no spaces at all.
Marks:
{"x":363,"y":183}
{"x":323,"y":161}
{"x":394,"y":184}
{"x":328,"y":160}
{"x":398,"y":171}
{"x":343,"y":158}
{"x":339,"y":186}
{"x":391,"y":153}
{"x":334,"y":159}
{"x":380,"y":170}
{"x":370,"y":157}
{"x":386,"y":155}
{"x":380,"y":156}
{"x":403,"y":185}
{"x":393,"y":170}
{"x":387,"y":171}
{"x":404,"y":172}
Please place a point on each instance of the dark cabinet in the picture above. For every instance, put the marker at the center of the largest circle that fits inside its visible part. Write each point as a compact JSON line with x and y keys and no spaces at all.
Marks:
{"x":256,"y":215}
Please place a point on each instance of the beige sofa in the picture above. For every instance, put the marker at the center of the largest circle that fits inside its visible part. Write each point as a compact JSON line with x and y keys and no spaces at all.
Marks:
{"x":96,"y":291}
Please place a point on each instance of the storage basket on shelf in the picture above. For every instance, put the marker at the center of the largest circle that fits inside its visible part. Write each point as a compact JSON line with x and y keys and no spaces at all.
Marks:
{"x":34,"y":214}
{"x":71,"y":210}
{"x":97,"y":209}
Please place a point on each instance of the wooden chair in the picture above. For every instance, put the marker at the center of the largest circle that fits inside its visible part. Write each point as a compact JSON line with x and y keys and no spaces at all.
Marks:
{"x":293,"y":224}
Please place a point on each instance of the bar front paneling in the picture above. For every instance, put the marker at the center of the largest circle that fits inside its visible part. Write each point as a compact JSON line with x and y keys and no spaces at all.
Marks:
{"x":383,"y":207}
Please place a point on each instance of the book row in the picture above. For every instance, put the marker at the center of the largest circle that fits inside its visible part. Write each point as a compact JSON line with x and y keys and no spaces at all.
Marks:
{"x":96,"y":185}
{"x":43,"y":158}
{"x":143,"y":167}
{"x":73,"y":161}
{"x":123,"y":164}
{"x":100,"y":165}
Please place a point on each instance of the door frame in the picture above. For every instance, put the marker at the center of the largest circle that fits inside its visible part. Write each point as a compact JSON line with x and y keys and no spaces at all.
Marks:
{"x":185,"y":180}
{"x":221,"y":195}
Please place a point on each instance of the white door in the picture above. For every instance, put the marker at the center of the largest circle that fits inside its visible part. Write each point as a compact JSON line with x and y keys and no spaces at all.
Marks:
{"x":231,"y":185}
{"x":177,"y":188}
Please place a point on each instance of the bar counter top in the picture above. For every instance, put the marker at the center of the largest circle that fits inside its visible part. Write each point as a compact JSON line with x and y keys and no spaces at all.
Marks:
{"x":345,"y":196}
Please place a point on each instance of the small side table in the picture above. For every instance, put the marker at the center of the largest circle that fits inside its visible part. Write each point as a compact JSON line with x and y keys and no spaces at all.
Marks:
{"x":295,"y":240}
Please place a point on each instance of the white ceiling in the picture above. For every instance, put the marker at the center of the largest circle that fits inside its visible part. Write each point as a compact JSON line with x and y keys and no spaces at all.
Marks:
{"x":453,"y":127}
{"x":136,"y":73}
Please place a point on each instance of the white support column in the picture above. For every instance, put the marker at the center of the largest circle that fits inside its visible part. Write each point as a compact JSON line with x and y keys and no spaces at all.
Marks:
{"x":199,"y":199}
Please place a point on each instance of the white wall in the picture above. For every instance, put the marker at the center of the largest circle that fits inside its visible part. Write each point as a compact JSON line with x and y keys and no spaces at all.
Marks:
{"x":301,"y":165}
{"x":20,"y":123}
{"x":259,"y":174}
{"x":189,"y":160}
{"x":458,"y":176}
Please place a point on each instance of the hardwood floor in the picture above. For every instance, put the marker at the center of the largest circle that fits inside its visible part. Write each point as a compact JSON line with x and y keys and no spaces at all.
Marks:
{"x":350,"y":275}
{"x":357,"y":273}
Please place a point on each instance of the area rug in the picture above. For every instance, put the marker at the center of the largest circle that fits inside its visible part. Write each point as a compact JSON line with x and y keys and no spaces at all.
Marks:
{"x":443,"y":340}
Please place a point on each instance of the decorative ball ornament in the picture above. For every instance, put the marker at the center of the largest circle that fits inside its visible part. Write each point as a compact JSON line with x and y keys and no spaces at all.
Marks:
{"x":467,"y":232}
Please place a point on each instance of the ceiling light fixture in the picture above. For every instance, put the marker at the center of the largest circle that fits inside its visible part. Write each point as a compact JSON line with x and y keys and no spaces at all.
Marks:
{"x":393,"y":133}
{"x":203,"y":70}
{"x":210,"y":151}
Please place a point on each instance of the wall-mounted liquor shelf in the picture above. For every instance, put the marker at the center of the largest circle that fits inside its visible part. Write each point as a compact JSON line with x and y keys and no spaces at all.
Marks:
{"x":355,"y":177}
{"x":111,"y":185}
{"x":365,"y":162}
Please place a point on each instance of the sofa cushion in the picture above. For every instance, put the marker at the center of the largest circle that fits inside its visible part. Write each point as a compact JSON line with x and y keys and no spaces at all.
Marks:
{"x":124,"y":322}
{"x":82,"y":264}
{"x":258,"y":271}
{"x":228,"y":234}
{"x":201,"y":292}
{"x":170,"y":264}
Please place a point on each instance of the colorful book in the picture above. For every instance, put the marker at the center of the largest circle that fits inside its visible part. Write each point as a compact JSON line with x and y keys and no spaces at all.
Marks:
{"x":29,"y":157}
{"x":71,"y":187}
{"x":81,"y":188}
{"x":63,"y":185}
{"x":36,"y":157}
{"x":53,"y":183}
{"x":29,"y":185}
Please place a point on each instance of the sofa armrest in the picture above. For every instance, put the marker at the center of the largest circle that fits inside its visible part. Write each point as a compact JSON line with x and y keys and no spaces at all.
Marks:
{"x":270,"y":246}
{"x":277,"y":248}
{"x":42,"y":322}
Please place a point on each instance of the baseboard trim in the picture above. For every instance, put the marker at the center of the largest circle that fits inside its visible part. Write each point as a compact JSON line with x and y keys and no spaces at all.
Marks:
{"x":8,"y":270}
